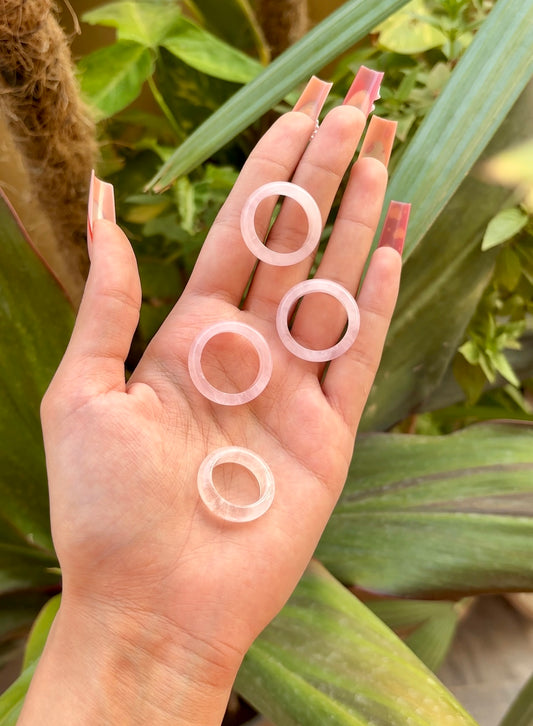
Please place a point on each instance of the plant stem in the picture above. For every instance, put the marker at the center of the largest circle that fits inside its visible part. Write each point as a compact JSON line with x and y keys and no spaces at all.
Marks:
{"x":166,"y":110}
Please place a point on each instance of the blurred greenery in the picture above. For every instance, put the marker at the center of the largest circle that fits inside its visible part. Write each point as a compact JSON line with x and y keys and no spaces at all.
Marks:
{"x":431,"y":508}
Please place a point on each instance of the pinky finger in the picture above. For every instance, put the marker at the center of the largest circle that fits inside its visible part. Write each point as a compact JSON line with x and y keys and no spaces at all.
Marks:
{"x":350,"y":377}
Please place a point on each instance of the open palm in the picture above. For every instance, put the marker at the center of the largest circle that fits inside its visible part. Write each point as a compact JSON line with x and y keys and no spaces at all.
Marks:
{"x":128,"y":524}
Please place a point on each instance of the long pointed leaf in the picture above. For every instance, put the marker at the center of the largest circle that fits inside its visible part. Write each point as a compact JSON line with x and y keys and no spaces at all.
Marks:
{"x":326,"y":659}
{"x":352,"y":21}
{"x":487,"y":81}
{"x":442,"y":283}
{"x":35,"y":323}
{"x":436,"y":515}
{"x":12,"y":699}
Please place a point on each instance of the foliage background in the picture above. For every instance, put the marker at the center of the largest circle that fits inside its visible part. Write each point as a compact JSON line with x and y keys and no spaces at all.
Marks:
{"x":433,"y":512}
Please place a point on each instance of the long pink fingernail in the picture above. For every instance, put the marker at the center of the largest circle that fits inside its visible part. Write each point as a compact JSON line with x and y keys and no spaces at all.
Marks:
{"x":395,"y":226}
{"x":364,"y":89}
{"x":101,"y":203}
{"x":379,"y":139}
{"x":313,"y":97}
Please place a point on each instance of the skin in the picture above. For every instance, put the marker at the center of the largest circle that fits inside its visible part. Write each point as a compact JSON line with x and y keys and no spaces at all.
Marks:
{"x":162,"y":599}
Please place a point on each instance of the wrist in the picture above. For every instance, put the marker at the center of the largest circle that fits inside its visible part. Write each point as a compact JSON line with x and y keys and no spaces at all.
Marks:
{"x":107,"y":667}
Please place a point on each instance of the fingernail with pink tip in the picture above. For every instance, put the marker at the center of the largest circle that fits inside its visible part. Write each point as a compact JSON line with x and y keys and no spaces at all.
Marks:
{"x":395,"y":226}
{"x":313,"y":97}
{"x":101,"y":203}
{"x":364,"y":90}
{"x":379,"y":139}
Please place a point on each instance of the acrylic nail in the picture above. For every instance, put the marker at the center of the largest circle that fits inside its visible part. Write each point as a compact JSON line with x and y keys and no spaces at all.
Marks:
{"x":395,"y":226}
{"x":101,"y":203}
{"x":313,"y":98}
{"x":379,"y":139}
{"x":364,"y":90}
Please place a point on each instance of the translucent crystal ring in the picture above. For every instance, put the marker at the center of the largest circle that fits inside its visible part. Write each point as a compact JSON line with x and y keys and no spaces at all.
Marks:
{"x":224,"y":508}
{"x":198,"y":376}
{"x":330,"y":288}
{"x":314,"y":223}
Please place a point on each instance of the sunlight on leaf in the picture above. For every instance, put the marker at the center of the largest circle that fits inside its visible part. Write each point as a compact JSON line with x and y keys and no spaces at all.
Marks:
{"x":146,"y":23}
{"x":503,"y":226}
{"x":326,"y":659}
{"x":407,"y":32}
{"x":208,"y":54}
{"x":112,"y":77}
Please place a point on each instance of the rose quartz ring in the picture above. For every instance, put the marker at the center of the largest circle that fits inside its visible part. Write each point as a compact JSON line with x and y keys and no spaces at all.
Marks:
{"x":330,"y":288}
{"x":224,"y":508}
{"x":314,"y":223}
{"x":198,"y":376}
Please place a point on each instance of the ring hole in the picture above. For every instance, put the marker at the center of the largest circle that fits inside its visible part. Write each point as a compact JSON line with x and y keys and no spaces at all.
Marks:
{"x":236,"y":484}
{"x":321,"y":315}
{"x":294,"y":234}
{"x":230,"y":362}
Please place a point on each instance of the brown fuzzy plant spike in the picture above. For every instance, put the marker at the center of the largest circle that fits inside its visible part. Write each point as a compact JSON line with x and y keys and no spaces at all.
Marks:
{"x":283,"y":22}
{"x":40,"y":101}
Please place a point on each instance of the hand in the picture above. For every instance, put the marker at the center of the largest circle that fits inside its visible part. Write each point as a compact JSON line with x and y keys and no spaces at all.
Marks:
{"x":145,"y":564}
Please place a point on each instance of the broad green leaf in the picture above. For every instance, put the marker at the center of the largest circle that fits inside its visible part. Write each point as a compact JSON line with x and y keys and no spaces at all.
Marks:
{"x":146,"y":23}
{"x":407,"y":32}
{"x":482,"y":89}
{"x":521,"y":711}
{"x":112,"y":77}
{"x":436,"y":515}
{"x":12,"y":699}
{"x":326,"y":659}
{"x":208,"y":54}
{"x":35,"y":324}
{"x":342,"y":29}
{"x":442,"y":283}
{"x":426,"y":626}
{"x":503,"y":227}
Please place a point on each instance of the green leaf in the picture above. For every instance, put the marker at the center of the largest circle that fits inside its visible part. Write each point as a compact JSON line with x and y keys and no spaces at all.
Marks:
{"x":483,"y":87}
{"x":326,"y":659}
{"x":36,"y":320}
{"x":342,"y":29}
{"x":112,"y":77}
{"x":521,"y":711}
{"x":12,"y":699}
{"x":503,"y":226}
{"x":17,"y":613}
{"x":508,"y":269}
{"x":426,"y":626}
{"x":208,"y":54}
{"x":442,"y":283}
{"x":408,"y":33}
{"x":146,"y":23}
{"x":40,"y":630}
{"x":436,"y":515}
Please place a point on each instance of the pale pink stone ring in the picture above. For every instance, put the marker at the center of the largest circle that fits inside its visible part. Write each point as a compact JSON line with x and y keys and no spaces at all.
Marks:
{"x":216,"y":502}
{"x":330,"y":288}
{"x":235,"y":454}
{"x":314,"y":223}
{"x":198,"y":376}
